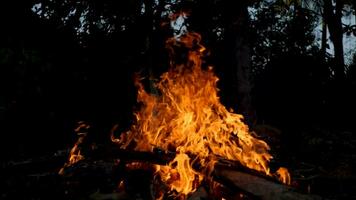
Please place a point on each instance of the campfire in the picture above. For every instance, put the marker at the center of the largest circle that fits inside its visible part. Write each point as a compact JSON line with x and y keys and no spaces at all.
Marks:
{"x":185,"y":120}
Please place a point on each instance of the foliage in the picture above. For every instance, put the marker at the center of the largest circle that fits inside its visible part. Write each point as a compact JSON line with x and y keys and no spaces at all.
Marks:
{"x":275,"y":34}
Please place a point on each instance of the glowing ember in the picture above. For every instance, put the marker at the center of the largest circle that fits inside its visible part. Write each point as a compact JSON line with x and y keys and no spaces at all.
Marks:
{"x":187,"y":118}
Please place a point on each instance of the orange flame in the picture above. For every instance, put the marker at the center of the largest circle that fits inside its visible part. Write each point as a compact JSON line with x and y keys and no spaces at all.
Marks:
{"x":179,"y":174}
{"x":188,"y":118}
{"x":75,"y":154}
{"x":283,"y":175}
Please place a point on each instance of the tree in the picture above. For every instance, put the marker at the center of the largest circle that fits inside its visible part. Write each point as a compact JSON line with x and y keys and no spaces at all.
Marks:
{"x":331,"y":12}
{"x":333,"y":20}
{"x":242,"y":59}
{"x":32,"y":79}
{"x":132,"y":34}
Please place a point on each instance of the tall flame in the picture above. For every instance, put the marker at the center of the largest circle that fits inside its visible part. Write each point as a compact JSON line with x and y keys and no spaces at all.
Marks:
{"x":187,"y":118}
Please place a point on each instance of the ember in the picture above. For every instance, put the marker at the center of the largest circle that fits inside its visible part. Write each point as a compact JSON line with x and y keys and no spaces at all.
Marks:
{"x":187,"y":118}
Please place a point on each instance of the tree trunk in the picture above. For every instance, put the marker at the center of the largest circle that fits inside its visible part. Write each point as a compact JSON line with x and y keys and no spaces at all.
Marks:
{"x":150,"y":43}
{"x":237,"y":32}
{"x":336,"y":34}
{"x":243,"y":67}
{"x":323,"y":37}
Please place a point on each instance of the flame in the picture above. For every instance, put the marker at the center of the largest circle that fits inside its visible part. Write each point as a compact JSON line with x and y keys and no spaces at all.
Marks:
{"x":187,"y":118}
{"x":283,"y":175}
{"x":75,"y":154}
{"x":179,"y":174}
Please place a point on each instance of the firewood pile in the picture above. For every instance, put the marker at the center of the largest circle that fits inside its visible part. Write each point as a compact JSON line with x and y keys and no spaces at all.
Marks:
{"x":110,"y":173}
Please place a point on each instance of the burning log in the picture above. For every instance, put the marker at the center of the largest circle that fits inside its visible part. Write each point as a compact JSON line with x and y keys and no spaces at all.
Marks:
{"x":230,"y":174}
{"x":237,"y":177}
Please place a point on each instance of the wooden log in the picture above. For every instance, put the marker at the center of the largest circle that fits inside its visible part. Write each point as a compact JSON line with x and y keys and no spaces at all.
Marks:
{"x":56,"y":160}
{"x":35,"y":165}
{"x":259,"y":187}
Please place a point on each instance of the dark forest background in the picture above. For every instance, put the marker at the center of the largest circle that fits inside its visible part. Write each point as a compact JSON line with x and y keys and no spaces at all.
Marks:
{"x":64,"y":61}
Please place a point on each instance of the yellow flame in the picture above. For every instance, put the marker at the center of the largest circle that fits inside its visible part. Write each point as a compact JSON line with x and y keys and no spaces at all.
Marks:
{"x":188,"y":118}
{"x":179,"y":174}
{"x":283,"y":175}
